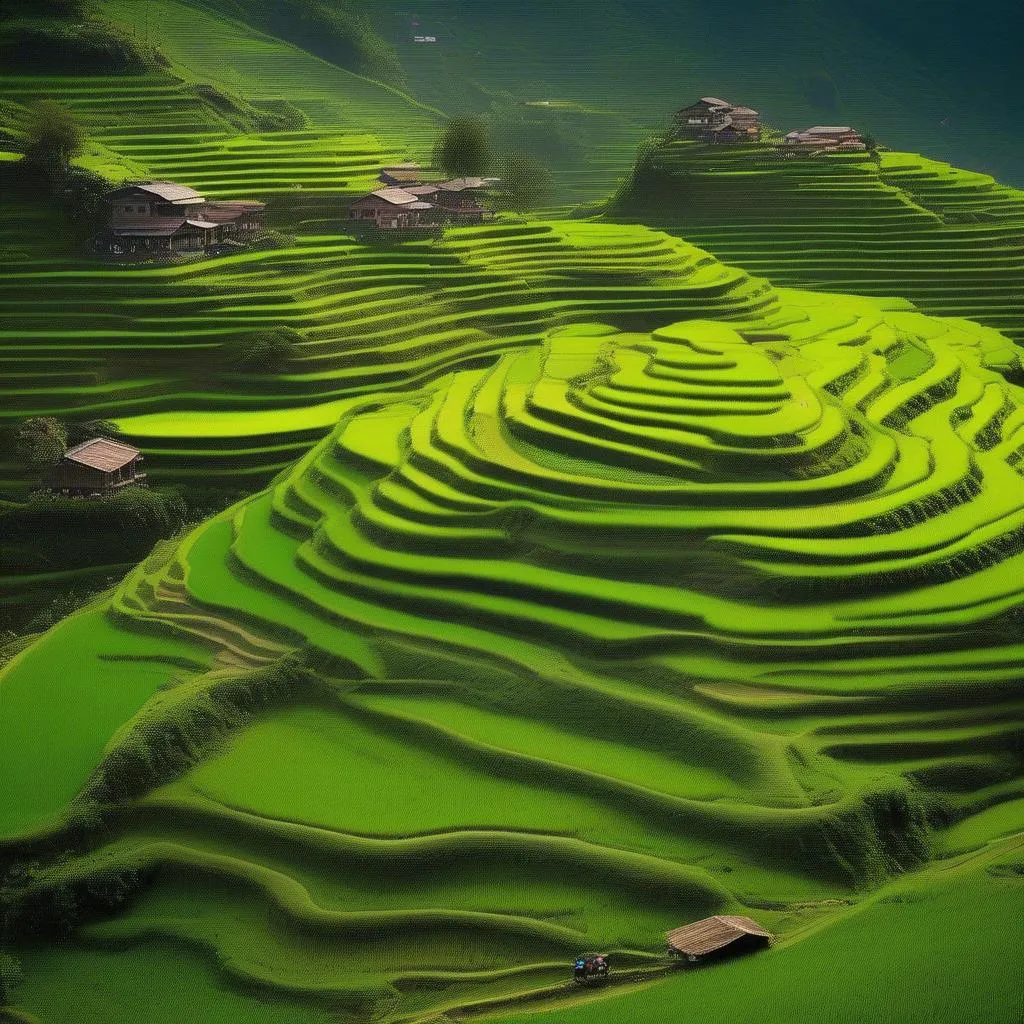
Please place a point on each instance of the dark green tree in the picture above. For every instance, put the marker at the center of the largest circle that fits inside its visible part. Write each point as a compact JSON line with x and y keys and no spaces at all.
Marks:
{"x":40,"y":442}
{"x":262,"y":351}
{"x":526,"y":183}
{"x":53,"y":139}
{"x":10,"y":977}
{"x":43,"y":9}
{"x":464,"y":148}
{"x":82,"y":431}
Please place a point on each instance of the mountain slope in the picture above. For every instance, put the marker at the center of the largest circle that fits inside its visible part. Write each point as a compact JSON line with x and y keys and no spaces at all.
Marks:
{"x":949,"y":240}
{"x":799,"y":63}
{"x":615,"y":632}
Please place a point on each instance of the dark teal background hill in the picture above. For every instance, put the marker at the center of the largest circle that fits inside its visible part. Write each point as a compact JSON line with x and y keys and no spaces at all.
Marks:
{"x":936,"y":77}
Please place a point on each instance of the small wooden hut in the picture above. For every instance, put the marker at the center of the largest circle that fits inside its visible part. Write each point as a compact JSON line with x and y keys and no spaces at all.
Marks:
{"x":96,"y":466}
{"x":717,"y":937}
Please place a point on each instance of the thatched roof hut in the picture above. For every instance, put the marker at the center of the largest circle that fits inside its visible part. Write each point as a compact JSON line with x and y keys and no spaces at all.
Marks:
{"x":715,"y":936}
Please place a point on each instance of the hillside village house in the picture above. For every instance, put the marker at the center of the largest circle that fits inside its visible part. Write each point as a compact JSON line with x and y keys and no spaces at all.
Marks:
{"x":163,"y":217}
{"x":97,"y":466}
{"x":711,"y":119}
{"x":394,"y":208}
{"x":826,"y":139}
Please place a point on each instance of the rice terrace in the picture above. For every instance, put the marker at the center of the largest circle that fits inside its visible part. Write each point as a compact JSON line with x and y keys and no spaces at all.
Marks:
{"x":511,"y":513}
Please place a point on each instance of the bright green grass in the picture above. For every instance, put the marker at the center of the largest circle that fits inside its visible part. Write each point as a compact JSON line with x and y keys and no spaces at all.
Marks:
{"x":633,"y":628}
{"x":517,"y":733}
{"x":287,"y":767}
{"x":152,"y":983}
{"x":942,"y":947}
{"x":946,"y":238}
{"x":68,"y":694}
{"x":986,"y":826}
{"x":372,"y":320}
{"x":160,"y":426}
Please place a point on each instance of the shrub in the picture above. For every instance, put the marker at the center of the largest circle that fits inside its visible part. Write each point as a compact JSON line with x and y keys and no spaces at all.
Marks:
{"x":53,"y":138}
{"x":10,"y":976}
{"x":40,"y":442}
{"x":279,"y":116}
{"x":66,"y":603}
{"x":525,"y":183}
{"x":270,"y":240}
{"x":72,"y":49}
{"x":464,"y":148}
{"x":80,"y":197}
{"x":176,"y":728}
{"x":50,"y":912}
{"x":262,"y":351}
{"x":134,"y":518}
{"x":85,"y":429}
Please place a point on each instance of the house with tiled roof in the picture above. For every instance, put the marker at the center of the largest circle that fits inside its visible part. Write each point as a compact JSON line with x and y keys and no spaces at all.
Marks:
{"x":163,"y":217}
{"x":826,"y":138}
{"x":457,"y":201}
{"x":712,"y":119}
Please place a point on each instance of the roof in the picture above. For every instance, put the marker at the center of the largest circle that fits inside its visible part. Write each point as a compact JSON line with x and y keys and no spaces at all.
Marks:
{"x":401,"y":173}
{"x":169,"y":191}
{"x":420,"y":205}
{"x":228,"y":211}
{"x":423,"y":190}
{"x":827,"y":129}
{"x":713,"y":933}
{"x":461,"y":184}
{"x":102,"y":453}
{"x":156,"y":227}
{"x":714,"y":101}
{"x":395,"y":196}
{"x":744,"y":110}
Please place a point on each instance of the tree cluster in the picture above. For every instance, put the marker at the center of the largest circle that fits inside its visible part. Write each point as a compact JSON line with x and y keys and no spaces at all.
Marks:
{"x":42,"y":9}
{"x":10,"y":977}
{"x":465,"y":149}
{"x":42,"y":441}
{"x":68,"y":47}
{"x":266,"y":351}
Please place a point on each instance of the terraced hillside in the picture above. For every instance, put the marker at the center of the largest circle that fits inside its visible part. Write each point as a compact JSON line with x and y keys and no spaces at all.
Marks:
{"x":144,"y":341}
{"x":951,"y":241}
{"x":186,"y":119}
{"x":549,"y":654}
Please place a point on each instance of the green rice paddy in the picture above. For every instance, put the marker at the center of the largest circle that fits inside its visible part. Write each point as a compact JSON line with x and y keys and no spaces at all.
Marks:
{"x":590,"y":582}
{"x":947,"y":239}
{"x":143,"y":341}
{"x":619,"y":630}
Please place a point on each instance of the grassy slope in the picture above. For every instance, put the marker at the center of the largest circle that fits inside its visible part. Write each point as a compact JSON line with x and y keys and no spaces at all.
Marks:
{"x":145,"y":339}
{"x":802,"y":63}
{"x":876,"y":964}
{"x":151,"y":984}
{"x":551,"y":746}
{"x":544,"y":744}
{"x":947,"y":239}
